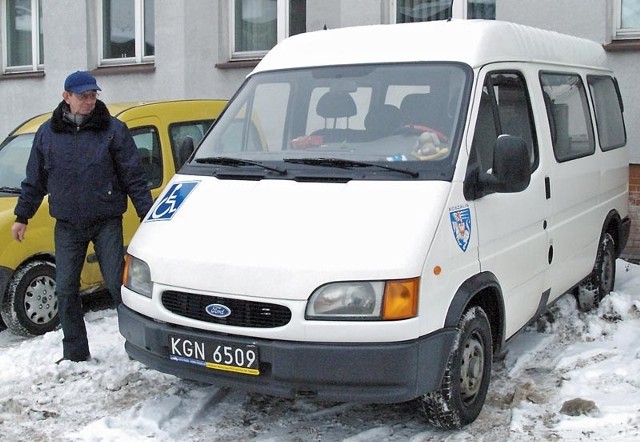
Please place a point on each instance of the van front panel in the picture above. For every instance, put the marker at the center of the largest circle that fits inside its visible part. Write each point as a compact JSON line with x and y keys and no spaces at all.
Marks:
{"x":280,"y":240}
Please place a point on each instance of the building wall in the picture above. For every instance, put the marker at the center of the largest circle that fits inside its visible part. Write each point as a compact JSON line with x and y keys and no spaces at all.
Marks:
{"x":191,"y":38}
{"x":633,"y":245}
{"x":189,"y":43}
{"x":340,"y":14}
{"x":582,"y":18}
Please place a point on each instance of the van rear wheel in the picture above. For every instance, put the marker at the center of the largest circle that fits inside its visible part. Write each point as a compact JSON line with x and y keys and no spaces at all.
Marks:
{"x":464,"y":386}
{"x":30,"y":305}
{"x":603,"y":277}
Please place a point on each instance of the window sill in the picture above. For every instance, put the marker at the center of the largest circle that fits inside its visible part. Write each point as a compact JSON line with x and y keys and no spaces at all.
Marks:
{"x":124,"y":69}
{"x":239,"y":64}
{"x":20,"y":75}
{"x":622,"y":45}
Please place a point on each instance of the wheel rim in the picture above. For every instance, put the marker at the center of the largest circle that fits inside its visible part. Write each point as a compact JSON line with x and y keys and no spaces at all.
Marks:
{"x":606,"y":275}
{"x":40,"y":301}
{"x":471,"y":367}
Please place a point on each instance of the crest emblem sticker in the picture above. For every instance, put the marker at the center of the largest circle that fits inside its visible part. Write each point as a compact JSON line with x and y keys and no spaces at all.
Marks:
{"x":171,"y":201}
{"x":461,"y":224}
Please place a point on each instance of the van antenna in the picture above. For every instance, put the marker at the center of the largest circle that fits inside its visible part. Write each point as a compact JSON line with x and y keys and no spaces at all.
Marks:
{"x":450,"y":11}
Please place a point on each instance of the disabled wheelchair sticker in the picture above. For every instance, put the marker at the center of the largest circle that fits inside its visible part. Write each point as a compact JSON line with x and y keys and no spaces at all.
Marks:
{"x":171,"y":201}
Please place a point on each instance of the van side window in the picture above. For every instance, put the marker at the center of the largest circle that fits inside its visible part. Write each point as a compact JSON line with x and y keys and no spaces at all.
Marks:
{"x":148,"y":143}
{"x":607,"y":103}
{"x":504,"y":109}
{"x":568,"y":114}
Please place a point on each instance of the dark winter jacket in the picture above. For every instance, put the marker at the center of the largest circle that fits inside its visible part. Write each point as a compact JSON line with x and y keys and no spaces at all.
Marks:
{"x":87,"y":171}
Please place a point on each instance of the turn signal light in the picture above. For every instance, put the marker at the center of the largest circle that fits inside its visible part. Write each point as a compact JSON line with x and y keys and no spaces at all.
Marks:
{"x":400,"y":299}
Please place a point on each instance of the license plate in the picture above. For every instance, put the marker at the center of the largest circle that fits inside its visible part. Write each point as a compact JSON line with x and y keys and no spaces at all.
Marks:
{"x":215,"y":354}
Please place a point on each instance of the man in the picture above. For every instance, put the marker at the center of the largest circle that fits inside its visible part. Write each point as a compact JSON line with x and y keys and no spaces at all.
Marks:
{"x":87,"y":162}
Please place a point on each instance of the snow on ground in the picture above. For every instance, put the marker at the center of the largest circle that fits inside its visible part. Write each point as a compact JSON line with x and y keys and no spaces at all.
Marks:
{"x":566,"y":355}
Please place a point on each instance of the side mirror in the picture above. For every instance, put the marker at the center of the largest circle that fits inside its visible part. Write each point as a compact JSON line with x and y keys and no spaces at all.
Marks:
{"x":184,"y":151}
{"x":511,"y":171}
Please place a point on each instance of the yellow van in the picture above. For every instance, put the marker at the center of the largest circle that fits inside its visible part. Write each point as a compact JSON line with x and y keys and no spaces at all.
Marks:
{"x":27,"y":270}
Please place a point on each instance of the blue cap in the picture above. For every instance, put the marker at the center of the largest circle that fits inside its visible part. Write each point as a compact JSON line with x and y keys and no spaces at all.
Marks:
{"x":81,"y":81}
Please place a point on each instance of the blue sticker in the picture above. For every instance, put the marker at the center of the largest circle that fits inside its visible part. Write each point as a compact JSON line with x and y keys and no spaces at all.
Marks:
{"x":171,"y":201}
{"x":461,"y":225}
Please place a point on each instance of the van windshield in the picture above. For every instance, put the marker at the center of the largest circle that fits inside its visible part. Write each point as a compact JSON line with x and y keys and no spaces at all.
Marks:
{"x":14,"y":153}
{"x":394,"y":116}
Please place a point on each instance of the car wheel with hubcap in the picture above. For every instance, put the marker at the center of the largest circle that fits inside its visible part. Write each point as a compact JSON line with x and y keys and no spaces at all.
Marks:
{"x":462,"y":392}
{"x":603,"y":277}
{"x":30,"y":305}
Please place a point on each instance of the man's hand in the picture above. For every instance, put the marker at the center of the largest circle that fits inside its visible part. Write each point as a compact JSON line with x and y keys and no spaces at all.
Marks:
{"x":18,"y":230}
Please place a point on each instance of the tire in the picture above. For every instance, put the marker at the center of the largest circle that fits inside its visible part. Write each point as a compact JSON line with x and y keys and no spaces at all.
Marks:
{"x":603,"y":276}
{"x":30,"y":306}
{"x":464,"y":386}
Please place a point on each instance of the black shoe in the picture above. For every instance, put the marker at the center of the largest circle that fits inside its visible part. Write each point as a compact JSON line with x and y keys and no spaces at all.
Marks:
{"x":87,"y":358}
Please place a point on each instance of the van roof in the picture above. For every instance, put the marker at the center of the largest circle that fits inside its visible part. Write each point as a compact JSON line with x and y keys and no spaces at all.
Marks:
{"x":474,"y":42}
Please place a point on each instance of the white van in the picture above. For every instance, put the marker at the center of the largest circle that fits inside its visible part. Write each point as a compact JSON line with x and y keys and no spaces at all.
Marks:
{"x":379,"y":209}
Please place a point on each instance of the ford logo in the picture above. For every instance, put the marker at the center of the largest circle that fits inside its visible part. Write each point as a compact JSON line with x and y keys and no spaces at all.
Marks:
{"x":218,"y":310}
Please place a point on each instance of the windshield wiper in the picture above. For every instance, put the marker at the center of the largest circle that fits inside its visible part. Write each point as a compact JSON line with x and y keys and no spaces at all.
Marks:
{"x":347,"y":164}
{"x":9,"y":189}
{"x":228,"y":161}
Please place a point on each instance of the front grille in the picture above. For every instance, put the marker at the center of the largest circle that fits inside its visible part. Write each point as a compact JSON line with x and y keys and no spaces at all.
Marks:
{"x":243,"y":313}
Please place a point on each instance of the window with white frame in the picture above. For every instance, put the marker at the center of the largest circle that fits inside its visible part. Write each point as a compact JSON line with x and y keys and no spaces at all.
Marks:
{"x":24,"y":49}
{"x":257,"y":25}
{"x":407,"y":11}
{"x":627,"y":19}
{"x":127,"y":32}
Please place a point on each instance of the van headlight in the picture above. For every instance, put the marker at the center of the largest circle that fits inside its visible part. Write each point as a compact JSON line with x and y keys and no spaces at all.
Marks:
{"x":364,"y":300}
{"x":137,"y":276}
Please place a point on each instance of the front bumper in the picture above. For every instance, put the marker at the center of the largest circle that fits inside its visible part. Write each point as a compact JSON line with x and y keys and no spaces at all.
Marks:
{"x":347,"y":372}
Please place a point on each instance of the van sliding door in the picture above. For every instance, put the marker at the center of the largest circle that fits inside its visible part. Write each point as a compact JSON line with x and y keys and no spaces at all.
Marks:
{"x":578,"y":177}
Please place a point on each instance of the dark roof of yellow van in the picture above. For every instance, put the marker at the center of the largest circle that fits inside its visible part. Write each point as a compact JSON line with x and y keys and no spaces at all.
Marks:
{"x":187,"y":109}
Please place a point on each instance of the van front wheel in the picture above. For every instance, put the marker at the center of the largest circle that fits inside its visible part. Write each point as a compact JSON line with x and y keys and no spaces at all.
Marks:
{"x":462,"y":392}
{"x":30,"y":305}
{"x":603,"y":277}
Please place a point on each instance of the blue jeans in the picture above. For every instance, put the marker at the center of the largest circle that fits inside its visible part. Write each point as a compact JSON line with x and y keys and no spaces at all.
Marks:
{"x":71,"y":244}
